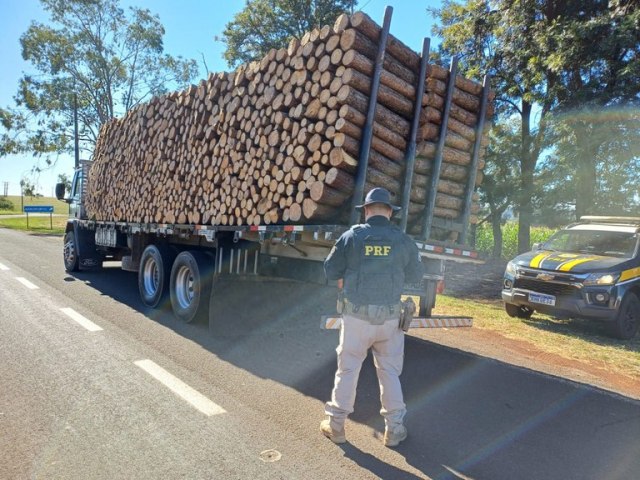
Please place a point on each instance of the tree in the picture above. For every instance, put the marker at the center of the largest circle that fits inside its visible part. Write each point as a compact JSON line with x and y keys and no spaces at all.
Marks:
{"x":265,"y":24}
{"x":93,"y":53}
{"x":596,"y":121}
{"x":544,"y":57}
{"x":497,"y":190}
{"x":27,"y":187}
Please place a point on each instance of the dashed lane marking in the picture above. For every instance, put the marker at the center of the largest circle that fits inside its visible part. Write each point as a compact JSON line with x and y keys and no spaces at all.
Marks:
{"x":27,"y":283}
{"x":4,"y":268}
{"x":85,"y":322}
{"x":177,"y":386}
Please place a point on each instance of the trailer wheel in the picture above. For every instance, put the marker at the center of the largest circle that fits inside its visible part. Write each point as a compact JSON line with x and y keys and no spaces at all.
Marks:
{"x":70,"y":253}
{"x":625,"y":326}
{"x":190,"y":285}
{"x":153,"y":275}
{"x":428,"y":301}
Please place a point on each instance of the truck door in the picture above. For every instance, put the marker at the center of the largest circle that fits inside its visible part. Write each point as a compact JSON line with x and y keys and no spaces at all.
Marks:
{"x":75,"y":197}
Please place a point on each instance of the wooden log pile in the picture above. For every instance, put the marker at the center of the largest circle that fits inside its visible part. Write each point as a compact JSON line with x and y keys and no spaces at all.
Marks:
{"x":277,"y":141}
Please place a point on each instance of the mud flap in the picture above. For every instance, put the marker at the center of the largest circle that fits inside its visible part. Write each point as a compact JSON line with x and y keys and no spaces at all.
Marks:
{"x":89,"y":257}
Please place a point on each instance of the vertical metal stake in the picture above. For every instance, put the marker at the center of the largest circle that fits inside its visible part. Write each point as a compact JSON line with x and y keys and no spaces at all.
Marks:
{"x":367,"y":133}
{"x":410,"y":154}
{"x":475,"y":159}
{"x":437,"y":163}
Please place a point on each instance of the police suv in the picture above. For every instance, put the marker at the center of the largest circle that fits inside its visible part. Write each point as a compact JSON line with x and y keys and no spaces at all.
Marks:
{"x":590,"y":269}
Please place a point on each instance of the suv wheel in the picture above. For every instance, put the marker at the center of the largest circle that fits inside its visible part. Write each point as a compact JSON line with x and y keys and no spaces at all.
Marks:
{"x":625,"y":326}
{"x":518,"y":311}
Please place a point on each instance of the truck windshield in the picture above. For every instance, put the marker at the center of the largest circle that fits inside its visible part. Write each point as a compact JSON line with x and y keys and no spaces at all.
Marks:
{"x":596,"y":242}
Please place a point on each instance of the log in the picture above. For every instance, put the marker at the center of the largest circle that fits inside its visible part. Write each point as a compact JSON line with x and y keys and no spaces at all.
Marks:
{"x":353,"y":59}
{"x":278,"y":139}
{"x":351,"y":39}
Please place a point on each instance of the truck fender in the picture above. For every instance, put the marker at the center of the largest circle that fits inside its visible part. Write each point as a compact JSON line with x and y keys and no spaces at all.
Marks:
{"x":85,"y":244}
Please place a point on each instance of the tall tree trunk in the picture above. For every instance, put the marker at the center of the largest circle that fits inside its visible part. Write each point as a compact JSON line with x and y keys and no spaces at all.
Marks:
{"x":496,"y":226}
{"x":585,"y":176}
{"x":527,"y":167}
{"x":495,"y":216}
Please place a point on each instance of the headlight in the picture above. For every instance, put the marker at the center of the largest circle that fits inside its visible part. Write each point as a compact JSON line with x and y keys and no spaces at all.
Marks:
{"x":511,"y":269}
{"x":602,"y":279}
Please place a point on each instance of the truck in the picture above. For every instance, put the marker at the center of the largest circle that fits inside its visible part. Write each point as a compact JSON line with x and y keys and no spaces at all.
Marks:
{"x":183,"y":260}
{"x":589,"y":269}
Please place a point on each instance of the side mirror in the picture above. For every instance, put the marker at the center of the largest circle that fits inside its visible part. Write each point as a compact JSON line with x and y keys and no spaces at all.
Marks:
{"x":537,"y":246}
{"x":60,"y":191}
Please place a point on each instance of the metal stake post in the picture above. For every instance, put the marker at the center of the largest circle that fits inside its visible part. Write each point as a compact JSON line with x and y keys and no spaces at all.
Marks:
{"x":410,"y":155}
{"x":473,"y":168}
{"x":367,"y":134}
{"x":437,"y":163}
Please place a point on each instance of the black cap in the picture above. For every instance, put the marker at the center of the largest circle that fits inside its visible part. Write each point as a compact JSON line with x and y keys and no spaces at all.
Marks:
{"x":378,"y":195}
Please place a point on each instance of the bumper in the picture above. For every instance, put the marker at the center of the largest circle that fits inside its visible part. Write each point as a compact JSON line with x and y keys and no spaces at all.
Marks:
{"x":565,"y":306}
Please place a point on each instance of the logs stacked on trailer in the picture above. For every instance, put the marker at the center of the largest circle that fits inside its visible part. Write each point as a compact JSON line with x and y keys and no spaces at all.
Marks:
{"x":277,"y":141}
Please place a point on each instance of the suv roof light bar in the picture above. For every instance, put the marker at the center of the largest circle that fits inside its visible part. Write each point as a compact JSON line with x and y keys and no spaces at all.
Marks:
{"x":606,"y":219}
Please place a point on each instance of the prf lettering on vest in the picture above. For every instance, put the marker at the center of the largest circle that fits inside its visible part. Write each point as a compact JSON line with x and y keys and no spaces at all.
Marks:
{"x":377,"y":250}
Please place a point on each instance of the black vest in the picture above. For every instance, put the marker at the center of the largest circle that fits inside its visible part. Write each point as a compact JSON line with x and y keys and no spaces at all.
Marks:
{"x":378,"y":278}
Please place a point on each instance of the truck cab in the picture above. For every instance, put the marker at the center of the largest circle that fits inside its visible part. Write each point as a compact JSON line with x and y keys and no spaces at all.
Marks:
{"x":78,"y":189}
{"x":589,"y":269}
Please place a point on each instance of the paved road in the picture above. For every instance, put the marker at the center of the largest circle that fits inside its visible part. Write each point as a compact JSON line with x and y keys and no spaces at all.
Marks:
{"x":96,"y":386}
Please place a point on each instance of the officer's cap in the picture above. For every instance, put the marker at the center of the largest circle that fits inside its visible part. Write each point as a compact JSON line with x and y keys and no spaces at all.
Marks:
{"x":378,"y":195}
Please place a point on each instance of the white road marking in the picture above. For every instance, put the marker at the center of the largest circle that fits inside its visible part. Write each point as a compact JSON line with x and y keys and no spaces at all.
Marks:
{"x":86,"y":323}
{"x":180,"y":388}
{"x":3,"y":267}
{"x":27,"y":283}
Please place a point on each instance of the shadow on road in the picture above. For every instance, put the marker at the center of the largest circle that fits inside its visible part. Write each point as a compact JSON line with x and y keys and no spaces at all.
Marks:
{"x":467,"y":414}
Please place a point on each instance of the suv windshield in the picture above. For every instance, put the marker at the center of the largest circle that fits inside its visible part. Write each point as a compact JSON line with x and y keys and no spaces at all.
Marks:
{"x":596,"y":242}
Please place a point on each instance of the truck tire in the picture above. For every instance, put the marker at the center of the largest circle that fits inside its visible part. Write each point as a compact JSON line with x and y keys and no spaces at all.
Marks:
{"x":625,"y":326}
{"x":190,"y":285}
{"x":154,"y":274}
{"x":428,"y":301}
{"x":518,"y":311}
{"x":70,"y":253}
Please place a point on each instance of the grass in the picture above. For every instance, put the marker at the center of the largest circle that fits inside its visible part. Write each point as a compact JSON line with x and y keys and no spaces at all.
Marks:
{"x":59,"y":207}
{"x":571,"y":339}
{"x":36,"y":224}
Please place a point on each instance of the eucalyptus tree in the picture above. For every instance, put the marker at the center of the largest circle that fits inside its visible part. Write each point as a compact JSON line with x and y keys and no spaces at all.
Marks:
{"x":92,"y":55}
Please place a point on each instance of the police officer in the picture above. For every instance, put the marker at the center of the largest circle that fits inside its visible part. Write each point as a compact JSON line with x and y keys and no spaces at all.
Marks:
{"x":372,"y":261}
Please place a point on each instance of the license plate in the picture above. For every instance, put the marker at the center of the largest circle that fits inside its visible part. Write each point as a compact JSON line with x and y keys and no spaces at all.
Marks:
{"x":542,"y":298}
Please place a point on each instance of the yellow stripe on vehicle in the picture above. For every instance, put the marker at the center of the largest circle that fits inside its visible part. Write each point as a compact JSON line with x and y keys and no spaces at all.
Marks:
{"x":567,"y":266}
{"x":538,"y":259}
{"x":629,"y":274}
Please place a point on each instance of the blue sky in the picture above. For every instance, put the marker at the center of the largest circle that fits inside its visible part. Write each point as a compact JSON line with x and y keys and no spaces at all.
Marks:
{"x":190,"y":27}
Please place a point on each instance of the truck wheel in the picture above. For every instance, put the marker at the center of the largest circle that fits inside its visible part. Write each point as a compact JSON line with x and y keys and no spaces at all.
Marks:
{"x":153,"y":275}
{"x":70,"y":253}
{"x":428,"y":301}
{"x":190,"y":285}
{"x":518,"y":311}
{"x":625,"y":326}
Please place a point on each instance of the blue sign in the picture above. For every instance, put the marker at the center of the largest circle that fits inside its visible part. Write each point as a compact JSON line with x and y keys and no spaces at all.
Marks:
{"x":38,"y":209}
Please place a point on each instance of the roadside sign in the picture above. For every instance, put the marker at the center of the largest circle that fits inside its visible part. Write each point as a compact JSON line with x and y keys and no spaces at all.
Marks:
{"x":39,"y":209}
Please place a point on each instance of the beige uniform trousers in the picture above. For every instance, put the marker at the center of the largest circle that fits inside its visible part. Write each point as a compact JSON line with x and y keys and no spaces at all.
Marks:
{"x":387,"y":344}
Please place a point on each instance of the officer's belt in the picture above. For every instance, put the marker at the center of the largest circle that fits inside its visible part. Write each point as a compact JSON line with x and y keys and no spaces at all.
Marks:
{"x":374,"y":314}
